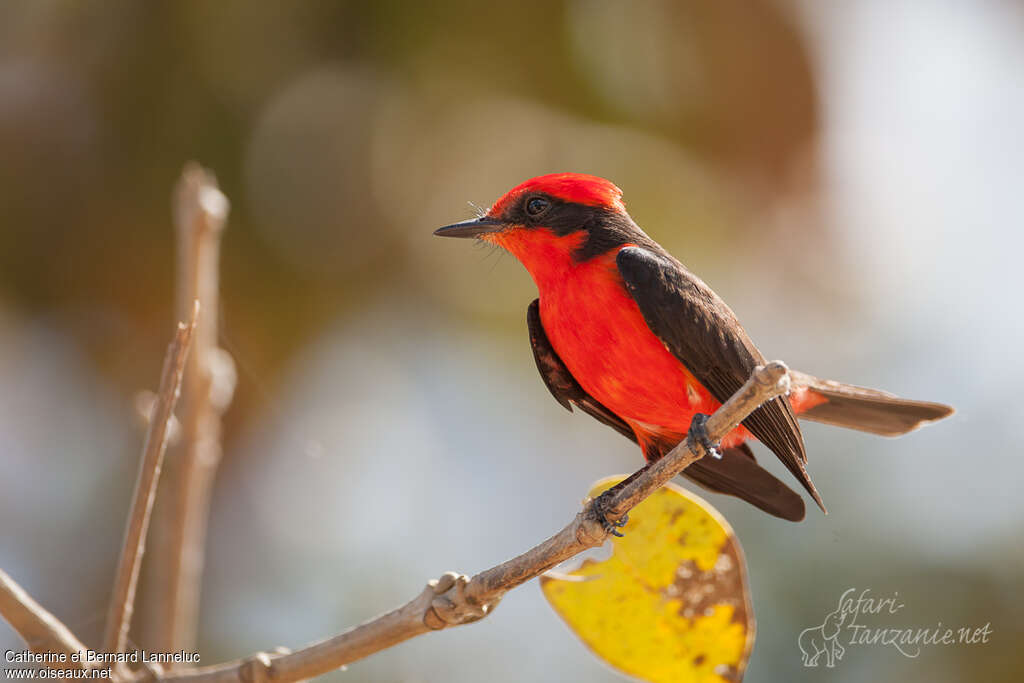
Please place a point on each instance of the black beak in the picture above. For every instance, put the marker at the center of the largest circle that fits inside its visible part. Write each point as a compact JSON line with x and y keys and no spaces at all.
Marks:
{"x":473,"y":228}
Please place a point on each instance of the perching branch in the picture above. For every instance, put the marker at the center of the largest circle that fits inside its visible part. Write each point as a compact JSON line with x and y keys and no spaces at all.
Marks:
{"x":200,"y":214}
{"x":455,"y":599}
{"x":451,"y":600}
{"x":122,"y":601}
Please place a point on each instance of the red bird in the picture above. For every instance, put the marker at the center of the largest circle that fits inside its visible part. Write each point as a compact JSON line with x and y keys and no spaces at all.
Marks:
{"x":626,"y":333}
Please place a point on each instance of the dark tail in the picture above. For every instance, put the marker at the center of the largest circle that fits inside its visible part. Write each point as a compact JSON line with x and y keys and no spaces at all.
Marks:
{"x":738,"y":474}
{"x":867,"y":410}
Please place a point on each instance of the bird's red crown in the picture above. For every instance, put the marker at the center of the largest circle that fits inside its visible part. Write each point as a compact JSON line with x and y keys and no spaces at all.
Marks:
{"x":578,"y":188}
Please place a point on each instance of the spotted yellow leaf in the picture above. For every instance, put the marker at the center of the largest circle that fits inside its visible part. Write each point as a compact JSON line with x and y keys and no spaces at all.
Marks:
{"x":671,"y":604}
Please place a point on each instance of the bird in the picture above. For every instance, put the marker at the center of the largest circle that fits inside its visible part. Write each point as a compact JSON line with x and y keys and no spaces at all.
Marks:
{"x":623,"y":331}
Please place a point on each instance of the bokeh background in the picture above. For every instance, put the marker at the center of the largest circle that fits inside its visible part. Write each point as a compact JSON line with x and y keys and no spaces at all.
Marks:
{"x":847,"y":175}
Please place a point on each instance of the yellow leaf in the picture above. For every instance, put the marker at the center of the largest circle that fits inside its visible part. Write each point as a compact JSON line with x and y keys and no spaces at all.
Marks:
{"x":671,"y":604}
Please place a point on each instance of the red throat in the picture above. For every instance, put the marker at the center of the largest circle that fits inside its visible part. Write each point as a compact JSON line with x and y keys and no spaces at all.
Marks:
{"x":546,"y":256}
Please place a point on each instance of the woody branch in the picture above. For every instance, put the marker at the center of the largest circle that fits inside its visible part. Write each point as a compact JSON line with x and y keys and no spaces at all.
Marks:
{"x":452,"y":600}
{"x":122,"y":602}
{"x":456,"y":599}
{"x":180,"y":519}
{"x":44,"y":633}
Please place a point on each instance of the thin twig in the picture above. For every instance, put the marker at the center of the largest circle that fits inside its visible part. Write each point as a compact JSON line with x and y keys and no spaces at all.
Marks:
{"x":122,"y":601}
{"x":456,"y":599}
{"x":43,"y":632}
{"x":200,"y":212}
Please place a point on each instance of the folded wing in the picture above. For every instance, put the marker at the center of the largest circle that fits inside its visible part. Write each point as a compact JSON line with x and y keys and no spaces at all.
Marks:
{"x":704,"y":334}
{"x":737,"y":473}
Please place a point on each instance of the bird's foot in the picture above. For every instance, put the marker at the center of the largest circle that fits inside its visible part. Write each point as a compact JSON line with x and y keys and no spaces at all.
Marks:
{"x":699,"y":434}
{"x":600,"y":506}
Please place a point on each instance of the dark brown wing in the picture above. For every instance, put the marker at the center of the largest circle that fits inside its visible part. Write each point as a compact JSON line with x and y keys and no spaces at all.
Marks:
{"x":736,"y":474}
{"x":704,"y":334}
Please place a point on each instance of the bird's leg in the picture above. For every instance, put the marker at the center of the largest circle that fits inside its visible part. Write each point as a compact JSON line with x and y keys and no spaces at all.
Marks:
{"x":699,"y":434}
{"x":602,"y":501}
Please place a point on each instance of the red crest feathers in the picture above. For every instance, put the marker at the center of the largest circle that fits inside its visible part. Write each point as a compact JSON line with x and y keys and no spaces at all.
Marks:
{"x":578,"y":188}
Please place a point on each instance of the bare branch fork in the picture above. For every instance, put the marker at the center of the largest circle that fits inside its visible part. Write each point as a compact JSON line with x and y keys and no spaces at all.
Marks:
{"x":451,"y":600}
{"x":43,"y":633}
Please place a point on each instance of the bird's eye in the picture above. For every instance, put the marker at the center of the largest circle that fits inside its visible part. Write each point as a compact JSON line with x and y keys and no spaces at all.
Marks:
{"x":535,"y":206}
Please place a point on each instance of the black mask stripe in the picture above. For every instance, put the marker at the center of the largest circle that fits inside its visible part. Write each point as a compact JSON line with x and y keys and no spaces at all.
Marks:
{"x":605,"y":229}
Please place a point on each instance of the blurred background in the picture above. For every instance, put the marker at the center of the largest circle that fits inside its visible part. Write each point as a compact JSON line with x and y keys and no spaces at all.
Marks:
{"x":846,"y":175}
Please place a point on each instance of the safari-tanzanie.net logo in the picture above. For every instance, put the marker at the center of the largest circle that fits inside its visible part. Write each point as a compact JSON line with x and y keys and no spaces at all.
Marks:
{"x":863,"y":620}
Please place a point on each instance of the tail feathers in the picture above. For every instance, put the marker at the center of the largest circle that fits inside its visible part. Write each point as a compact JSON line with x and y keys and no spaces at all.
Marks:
{"x":867,"y":410}
{"x":738,"y":474}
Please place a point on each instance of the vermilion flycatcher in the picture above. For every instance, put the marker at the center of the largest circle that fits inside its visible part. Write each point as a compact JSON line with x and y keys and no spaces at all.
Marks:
{"x":626,"y":333}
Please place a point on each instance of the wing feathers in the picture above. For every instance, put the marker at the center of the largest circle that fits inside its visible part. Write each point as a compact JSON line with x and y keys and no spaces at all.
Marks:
{"x":736,"y":474}
{"x":704,"y":334}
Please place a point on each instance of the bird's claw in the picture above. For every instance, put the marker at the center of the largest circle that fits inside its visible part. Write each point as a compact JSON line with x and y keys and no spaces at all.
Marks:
{"x":600,"y":511}
{"x":699,"y":434}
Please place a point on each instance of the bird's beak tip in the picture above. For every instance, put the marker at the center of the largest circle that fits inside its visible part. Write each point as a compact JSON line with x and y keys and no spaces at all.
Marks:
{"x":473,"y":228}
